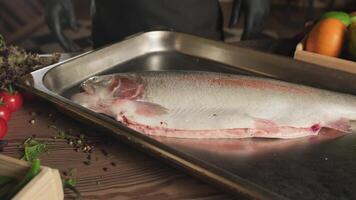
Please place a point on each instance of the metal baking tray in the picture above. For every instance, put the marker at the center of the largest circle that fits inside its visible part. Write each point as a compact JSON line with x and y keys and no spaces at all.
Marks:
{"x":320,"y":167}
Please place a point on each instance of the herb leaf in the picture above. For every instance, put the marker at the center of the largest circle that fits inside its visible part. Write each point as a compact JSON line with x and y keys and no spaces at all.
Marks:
{"x":70,"y":182}
{"x":33,"y":149}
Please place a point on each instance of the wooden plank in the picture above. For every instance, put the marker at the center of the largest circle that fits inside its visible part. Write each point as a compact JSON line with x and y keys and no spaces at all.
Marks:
{"x":21,"y":33}
{"x":10,"y":21}
{"x":325,"y":61}
{"x":46,"y":185}
{"x":20,"y":9}
{"x":12,"y":167}
{"x":117,"y":171}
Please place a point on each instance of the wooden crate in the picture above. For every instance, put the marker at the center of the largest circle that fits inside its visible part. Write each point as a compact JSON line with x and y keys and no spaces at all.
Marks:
{"x":326,"y":61}
{"x":46,"y":185}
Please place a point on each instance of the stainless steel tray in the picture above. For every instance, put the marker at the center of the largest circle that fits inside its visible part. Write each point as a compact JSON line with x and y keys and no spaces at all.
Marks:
{"x":321,"y":167}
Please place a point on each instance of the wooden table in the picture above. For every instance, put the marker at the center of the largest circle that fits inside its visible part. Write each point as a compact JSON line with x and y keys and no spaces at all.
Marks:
{"x":117,"y":171}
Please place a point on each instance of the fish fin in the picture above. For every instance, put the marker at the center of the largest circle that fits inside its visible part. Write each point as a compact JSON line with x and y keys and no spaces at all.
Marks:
{"x":129,"y":110}
{"x":148,"y":109}
{"x":343,"y":125}
{"x":266,"y":125}
{"x":141,"y":108}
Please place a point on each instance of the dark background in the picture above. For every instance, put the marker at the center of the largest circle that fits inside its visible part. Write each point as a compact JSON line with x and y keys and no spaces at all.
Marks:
{"x":22,"y":22}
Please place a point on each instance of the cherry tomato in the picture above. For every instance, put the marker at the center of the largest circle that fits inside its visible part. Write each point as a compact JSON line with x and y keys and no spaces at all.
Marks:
{"x":3,"y":128}
{"x":5,"y":112}
{"x":12,"y":100}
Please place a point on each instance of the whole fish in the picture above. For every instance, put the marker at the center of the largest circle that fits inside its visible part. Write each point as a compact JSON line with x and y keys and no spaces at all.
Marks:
{"x":215,"y":105}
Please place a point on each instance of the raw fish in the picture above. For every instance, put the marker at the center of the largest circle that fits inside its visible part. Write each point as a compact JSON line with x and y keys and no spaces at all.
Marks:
{"x":214,"y":105}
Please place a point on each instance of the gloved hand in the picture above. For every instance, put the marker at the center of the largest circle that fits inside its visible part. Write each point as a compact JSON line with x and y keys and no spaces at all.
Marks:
{"x":256,"y":11}
{"x":59,"y":15}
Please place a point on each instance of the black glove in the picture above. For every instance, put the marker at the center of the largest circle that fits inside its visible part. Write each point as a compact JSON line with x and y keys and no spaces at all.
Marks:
{"x":256,"y":11}
{"x":59,"y":15}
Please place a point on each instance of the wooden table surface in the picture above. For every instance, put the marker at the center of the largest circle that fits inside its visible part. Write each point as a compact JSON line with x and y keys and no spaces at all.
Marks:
{"x":116,"y":171}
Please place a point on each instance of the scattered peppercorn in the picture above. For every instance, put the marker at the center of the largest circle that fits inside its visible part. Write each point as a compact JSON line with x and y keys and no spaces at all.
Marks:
{"x":105,"y":169}
{"x":87,"y":162}
{"x":104,"y":152}
{"x":52,"y":126}
{"x":113,"y":164}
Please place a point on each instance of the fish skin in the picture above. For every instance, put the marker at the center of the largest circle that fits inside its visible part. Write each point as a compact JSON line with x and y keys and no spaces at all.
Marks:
{"x":214,"y":105}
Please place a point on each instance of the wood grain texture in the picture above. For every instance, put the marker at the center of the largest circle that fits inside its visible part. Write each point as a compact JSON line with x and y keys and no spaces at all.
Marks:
{"x":124,"y":173}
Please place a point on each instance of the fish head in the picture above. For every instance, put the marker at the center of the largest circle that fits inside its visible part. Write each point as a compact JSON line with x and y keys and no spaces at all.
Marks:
{"x":114,"y":86}
{"x":96,"y":84}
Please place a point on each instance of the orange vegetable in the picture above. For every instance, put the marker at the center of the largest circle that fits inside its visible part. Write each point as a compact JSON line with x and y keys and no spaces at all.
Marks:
{"x":327,"y":37}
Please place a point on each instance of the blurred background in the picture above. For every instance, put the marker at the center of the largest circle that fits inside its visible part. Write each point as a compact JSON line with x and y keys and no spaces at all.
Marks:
{"x":22,"y":22}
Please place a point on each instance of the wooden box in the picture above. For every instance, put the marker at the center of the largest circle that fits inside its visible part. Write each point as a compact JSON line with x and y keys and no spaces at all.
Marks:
{"x":326,"y":61}
{"x":47,"y":185}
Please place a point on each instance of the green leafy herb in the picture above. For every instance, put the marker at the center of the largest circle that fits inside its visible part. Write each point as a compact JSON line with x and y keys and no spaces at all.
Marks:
{"x":33,"y":149}
{"x":69,"y":181}
{"x":16,"y":62}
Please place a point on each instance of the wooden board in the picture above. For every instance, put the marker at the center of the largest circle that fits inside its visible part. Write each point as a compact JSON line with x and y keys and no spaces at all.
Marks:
{"x":46,"y":185}
{"x":326,"y":61}
{"x":124,"y":173}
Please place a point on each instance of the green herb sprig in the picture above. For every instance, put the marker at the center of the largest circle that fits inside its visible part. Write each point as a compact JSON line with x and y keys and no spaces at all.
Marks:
{"x":33,"y":149}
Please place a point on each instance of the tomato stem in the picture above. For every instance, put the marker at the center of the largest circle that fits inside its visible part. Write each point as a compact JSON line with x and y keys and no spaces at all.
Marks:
{"x":11,"y":89}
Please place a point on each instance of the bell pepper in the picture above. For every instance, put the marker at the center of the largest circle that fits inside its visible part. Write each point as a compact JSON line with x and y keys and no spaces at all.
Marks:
{"x":351,"y":36}
{"x":342,"y":16}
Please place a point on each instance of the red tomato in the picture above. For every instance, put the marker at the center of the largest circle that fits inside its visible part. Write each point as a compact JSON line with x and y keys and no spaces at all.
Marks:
{"x":12,"y":100}
{"x":3,"y":128}
{"x":5,"y":112}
